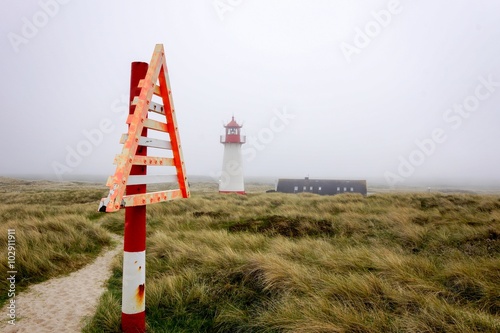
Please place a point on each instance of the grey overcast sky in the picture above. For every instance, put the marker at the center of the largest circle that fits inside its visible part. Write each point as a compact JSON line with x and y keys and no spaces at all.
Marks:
{"x":399,"y":91}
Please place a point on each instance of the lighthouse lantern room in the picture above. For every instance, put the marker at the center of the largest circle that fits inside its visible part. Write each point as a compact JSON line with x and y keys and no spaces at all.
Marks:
{"x":231,"y":180}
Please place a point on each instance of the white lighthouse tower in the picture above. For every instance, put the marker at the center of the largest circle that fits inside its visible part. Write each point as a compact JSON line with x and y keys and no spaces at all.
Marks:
{"x":231,"y":180}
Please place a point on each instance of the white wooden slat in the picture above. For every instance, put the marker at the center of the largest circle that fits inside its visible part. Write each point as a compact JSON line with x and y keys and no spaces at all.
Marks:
{"x":109,"y":181}
{"x":151,"y":123}
{"x":155,"y":125}
{"x":150,"y":142}
{"x":151,"y":179}
{"x":156,"y":88}
{"x":148,"y":160}
{"x":153,"y":106}
{"x":153,"y":161}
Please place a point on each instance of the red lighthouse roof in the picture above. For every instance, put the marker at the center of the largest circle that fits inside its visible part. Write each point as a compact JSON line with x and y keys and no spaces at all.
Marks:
{"x":233,"y":134}
{"x":233,"y":123}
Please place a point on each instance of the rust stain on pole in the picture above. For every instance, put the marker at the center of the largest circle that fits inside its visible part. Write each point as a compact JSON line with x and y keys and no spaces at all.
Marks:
{"x":140,"y":294}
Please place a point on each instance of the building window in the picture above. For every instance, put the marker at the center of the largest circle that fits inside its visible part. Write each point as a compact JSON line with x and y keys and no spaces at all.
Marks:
{"x":338,"y":189}
{"x":310,"y":188}
{"x":345,"y":189}
{"x":296,"y":188}
{"x":352,"y":189}
{"x":319,"y":188}
{"x":305,"y":188}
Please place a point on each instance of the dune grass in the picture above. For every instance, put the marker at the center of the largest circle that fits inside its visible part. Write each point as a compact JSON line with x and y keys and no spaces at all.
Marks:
{"x":55,"y":231}
{"x":306,"y":263}
{"x":276,"y":262}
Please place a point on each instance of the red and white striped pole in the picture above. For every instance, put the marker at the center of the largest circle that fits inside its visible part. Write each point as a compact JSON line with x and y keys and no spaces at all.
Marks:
{"x":134,"y":248}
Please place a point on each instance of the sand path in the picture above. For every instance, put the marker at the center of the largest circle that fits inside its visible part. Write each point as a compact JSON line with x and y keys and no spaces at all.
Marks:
{"x":60,"y":304}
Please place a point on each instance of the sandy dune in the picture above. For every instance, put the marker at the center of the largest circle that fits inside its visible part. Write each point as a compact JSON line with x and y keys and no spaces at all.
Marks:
{"x":60,"y":304}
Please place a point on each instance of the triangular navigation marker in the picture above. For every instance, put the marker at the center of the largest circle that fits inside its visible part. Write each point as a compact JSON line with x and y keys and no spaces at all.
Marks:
{"x":156,"y":82}
{"x":152,"y":127}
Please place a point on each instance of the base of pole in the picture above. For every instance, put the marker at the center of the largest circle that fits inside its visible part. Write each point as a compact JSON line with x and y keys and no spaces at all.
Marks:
{"x":134,"y":323}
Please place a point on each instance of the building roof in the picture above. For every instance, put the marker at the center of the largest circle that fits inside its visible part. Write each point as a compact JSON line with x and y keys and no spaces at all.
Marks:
{"x":233,"y":123}
{"x":307,"y":179}
{"x":321,"y":186}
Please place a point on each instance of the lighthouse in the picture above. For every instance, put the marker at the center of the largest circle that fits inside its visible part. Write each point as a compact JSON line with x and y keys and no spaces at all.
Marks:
{"x":231,"y":180}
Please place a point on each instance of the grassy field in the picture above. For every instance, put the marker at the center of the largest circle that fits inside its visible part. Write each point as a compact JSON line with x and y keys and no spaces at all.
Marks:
{"x":55,"y":230}
{"x":271,"y":262}
{"x":304,"y":263}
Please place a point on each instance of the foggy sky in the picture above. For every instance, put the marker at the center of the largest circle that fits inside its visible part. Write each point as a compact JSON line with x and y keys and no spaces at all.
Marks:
{"x":399,"y":90}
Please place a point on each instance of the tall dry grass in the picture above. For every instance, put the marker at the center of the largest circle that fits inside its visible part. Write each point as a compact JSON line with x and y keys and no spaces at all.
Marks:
{"x":276,"y":262}
{"x":305,"y":263}
{"x":55,"y":231}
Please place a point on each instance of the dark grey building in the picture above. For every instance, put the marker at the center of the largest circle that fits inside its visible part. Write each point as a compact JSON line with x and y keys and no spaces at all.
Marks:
{"x":321,"y":186}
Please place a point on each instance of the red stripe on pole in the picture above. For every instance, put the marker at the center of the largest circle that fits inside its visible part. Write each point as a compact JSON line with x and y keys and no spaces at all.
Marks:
{"x":135,"y":225}
{"x":132,"y":322}
{"x":135,"y":217}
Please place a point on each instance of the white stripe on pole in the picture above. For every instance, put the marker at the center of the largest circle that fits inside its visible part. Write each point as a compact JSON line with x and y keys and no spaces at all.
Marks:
{"x":134,"y":277}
